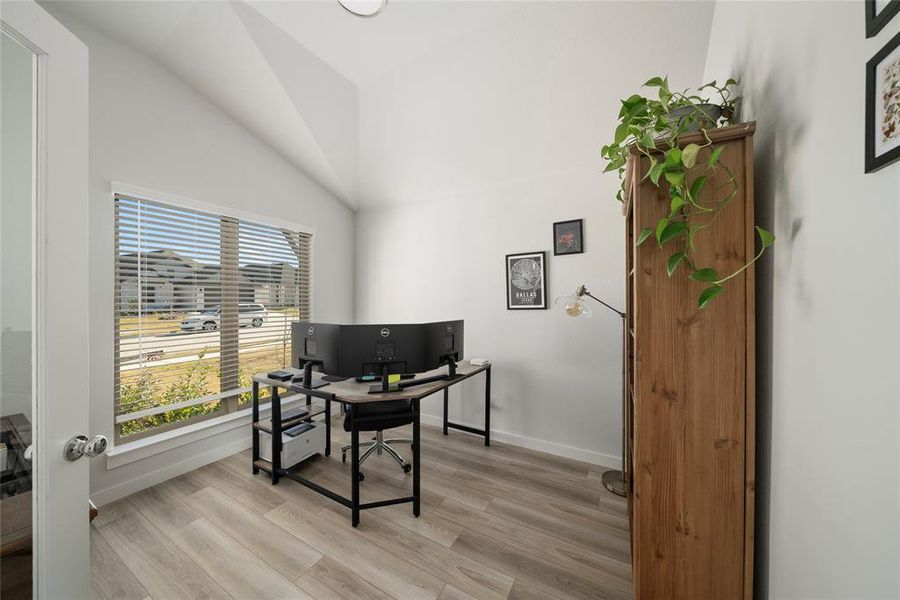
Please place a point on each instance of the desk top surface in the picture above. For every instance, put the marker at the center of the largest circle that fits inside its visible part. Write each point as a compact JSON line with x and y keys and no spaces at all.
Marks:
{"x":354,"y":392}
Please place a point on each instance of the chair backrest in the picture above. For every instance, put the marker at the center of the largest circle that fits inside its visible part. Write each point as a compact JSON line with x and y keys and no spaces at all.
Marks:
{"x":394,"y":413}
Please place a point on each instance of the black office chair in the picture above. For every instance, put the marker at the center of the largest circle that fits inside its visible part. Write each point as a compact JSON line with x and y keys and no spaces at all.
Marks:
{"x":394,"y":414}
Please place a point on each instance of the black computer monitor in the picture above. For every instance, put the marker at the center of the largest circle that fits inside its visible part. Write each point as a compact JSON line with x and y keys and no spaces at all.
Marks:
{"x":444,"y":341}
{"x":359,"y":350}
{"x":317,"y":343}
{"x":382,"y":349}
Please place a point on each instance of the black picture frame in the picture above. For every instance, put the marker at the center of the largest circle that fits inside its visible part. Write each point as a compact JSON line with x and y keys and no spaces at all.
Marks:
{"x":875,"y":162}
{"x":573,"y":227}
{"x":526,"y":295}
{"x":875,"y":22}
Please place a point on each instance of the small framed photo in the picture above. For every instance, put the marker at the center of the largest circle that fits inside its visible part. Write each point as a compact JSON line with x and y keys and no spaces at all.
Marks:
{"x":526,"y":281}
{"x":878,"y":14}
{"x":568,"y":237}
{"x":883,"y":106}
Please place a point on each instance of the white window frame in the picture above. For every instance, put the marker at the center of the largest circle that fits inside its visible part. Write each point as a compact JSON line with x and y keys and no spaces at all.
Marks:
{"x":125,"y":453}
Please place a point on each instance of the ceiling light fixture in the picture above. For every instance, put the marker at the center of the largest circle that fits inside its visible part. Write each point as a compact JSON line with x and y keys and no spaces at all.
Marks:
{"x":363,"y":8}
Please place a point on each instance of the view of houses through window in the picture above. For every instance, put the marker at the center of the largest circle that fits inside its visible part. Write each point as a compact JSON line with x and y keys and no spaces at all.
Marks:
{"x":202,"y":301}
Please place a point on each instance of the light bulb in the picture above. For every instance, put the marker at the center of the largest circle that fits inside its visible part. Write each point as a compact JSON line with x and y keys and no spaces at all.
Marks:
{"x":574,"y":309}
{"x":574,"y":306}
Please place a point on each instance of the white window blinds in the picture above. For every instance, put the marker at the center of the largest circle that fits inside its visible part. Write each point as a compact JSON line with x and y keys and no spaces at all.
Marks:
{"x":202,"y":301}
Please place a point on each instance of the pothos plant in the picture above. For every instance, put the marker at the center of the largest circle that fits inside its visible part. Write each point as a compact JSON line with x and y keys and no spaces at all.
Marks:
{"x":654,"y":126}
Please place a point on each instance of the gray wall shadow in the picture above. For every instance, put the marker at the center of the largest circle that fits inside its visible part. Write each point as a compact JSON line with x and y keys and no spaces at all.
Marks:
{"x":772,"y":98}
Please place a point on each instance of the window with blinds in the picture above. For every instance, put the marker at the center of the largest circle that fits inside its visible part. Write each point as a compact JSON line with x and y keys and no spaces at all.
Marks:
{"x":202,"y":302}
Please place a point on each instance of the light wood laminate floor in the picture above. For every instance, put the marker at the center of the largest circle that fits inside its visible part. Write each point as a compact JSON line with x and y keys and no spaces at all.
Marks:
{"x":498,"y":522}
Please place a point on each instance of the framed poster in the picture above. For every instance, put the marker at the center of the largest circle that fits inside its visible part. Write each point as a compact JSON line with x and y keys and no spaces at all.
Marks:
{"x":883,"y":106}
{"x":878,"y":14}
{"x":568,"y":237}
{"x":526,"y":281}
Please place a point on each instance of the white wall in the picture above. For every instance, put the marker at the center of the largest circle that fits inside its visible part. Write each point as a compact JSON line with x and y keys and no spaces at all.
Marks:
{"x":471,"y":152}
{"x":829,"y":424}
{"x":151,"y":130}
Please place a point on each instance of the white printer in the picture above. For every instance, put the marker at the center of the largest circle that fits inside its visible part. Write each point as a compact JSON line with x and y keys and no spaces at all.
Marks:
{"x":297,"y":443}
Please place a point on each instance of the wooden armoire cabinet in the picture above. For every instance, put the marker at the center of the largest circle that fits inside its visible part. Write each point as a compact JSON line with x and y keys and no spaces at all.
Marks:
{"x":690,"y":384}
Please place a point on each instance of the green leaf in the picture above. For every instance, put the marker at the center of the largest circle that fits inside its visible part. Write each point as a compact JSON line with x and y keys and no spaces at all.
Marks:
{"x":614,"y":164}
{"x":765,"y":237}
{"x":689,"y":155}
{"x":655,"y":171}
{"x":664,"y":97}
{"x":674,"y":261}
{"x":677,"y":202}
{"x":671,"y":230}
{"x":621,"y":133}
{"x":697,"y":187}
{"x":639,"y":108}
{"x":643,"y":235}
{"x":673,"y":156}
{"x":647,"y":140}
{"x":730,"y":82}
{"x":660,"y":227}
{"x":654,"y":82}
{"x":692,"y":231}
{"x":705,"y":275}
{"x":708,"y":294}
{"x":675,"y":178}
{"x":714,"y":157}
{"x":632,"y":100}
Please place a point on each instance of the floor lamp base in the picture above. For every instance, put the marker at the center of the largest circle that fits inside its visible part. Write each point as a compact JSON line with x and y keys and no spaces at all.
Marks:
{"x":615,"y":482}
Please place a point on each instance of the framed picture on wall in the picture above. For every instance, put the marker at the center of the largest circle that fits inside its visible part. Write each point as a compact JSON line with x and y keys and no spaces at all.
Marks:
{"x":526,"y":281}
{"x":878,"y":14}
{"x":883,"y":106}
{"x":568,"y":237}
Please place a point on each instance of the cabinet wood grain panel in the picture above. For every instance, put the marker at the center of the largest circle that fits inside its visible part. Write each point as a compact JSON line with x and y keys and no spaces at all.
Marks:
{"x":691,"y":413}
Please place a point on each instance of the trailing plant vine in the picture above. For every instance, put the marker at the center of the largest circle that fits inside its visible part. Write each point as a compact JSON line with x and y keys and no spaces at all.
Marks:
{"x":654,"y":128}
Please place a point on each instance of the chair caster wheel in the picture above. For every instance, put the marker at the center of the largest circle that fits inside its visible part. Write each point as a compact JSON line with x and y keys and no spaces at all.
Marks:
{"x":407,"y":468}
{"x":361,"y":476}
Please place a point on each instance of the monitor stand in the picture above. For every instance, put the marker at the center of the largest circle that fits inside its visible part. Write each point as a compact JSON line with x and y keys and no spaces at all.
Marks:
{"x":451,"y":374}
{"x":384,"y":387}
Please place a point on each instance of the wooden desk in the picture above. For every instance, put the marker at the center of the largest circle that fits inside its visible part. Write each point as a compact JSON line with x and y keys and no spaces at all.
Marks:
{"x":351,"y":394}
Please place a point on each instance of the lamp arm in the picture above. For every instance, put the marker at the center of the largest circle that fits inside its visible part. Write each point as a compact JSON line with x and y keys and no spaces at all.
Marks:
{"x":618,"y":312}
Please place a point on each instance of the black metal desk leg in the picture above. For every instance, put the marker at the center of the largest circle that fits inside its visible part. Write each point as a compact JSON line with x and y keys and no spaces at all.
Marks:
{"x":327,"y":427}
{"x":255,"y":433}
{"x":487,"y":407}
{"x":276,"y":434}
{"x":354,"y":466}
{"x":416,"y":453}
{"x":446,"y":397}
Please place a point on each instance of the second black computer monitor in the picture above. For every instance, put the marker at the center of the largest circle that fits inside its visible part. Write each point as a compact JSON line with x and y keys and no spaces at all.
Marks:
{"x":357,"y":350}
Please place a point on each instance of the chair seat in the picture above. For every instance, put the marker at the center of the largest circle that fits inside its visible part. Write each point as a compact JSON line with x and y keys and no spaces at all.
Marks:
{"x":393,"y":413}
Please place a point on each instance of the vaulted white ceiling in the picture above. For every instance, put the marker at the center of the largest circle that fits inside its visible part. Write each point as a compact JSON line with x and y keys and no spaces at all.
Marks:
{"x":296,"y":72}
{"x":288,"y":71}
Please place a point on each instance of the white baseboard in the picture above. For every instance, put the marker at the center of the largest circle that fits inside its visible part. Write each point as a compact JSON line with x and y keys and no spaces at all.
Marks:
{"x":589,"y":456}
{"x":126,"y":488}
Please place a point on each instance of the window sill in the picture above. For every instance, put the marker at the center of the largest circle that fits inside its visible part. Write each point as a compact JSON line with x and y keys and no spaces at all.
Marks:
{"x":129,"y":452}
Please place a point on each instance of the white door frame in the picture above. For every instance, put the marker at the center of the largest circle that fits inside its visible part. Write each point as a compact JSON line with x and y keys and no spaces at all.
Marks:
{"x":60,"y":359}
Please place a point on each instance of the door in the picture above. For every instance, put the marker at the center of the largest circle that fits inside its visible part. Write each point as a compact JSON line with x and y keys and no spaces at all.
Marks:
{"x":44,"y":353}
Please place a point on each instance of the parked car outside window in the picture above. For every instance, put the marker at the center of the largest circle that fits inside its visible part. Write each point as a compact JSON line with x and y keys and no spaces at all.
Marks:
{"x":252,"y":315}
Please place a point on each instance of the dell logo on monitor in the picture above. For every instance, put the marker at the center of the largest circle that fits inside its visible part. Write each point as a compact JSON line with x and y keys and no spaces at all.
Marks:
{"x":385,"y":332}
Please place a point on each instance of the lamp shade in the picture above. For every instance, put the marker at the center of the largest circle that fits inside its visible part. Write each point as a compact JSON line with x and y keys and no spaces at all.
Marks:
{"x":574,"y":305}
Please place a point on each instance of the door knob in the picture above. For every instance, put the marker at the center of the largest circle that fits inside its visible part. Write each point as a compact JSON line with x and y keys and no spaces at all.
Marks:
{"x":81,"y":445}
